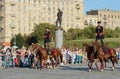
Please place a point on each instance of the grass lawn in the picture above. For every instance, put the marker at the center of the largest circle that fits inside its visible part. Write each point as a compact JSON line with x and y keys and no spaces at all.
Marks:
{"x":112,"y":42}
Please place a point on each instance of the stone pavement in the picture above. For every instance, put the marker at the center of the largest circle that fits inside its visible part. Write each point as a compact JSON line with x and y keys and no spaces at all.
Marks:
{"x":72,"y":71}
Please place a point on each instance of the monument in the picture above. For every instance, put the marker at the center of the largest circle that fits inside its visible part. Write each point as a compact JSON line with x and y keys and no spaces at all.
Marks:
{"x":59,"y":30}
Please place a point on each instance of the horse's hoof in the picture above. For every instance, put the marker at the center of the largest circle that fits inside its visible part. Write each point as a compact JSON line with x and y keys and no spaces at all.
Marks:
{"x":54,"y":68}
{"x":113,"y":68}
{"x":61,"y":64}
{"x":89,"y":70}
{"x":101,"y":70}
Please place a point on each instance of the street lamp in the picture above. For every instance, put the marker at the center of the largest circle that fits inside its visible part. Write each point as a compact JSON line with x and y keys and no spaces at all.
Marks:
{"x":15,"y":40}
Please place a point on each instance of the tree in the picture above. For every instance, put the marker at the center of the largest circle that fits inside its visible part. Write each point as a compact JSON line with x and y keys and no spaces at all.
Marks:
{"x":31,"y":39}
{"x":89,"y":32}
{"x":39,"y":30}
{"x":108,"y":33}
{"x":18,"y":39}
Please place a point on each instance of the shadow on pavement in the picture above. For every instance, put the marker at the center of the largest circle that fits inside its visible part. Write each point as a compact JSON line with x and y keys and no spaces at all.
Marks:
{"x":71,"y":68}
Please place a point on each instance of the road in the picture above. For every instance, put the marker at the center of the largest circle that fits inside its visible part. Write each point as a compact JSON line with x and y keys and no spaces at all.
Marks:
{"x":72,"y":71}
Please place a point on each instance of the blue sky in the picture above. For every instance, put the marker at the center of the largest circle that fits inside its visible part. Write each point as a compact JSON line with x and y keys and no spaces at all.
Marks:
{"x":101,"y":4}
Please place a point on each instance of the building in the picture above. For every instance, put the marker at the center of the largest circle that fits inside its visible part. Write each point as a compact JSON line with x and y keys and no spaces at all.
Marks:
{"x":20,"y":16}
{"x":90,"y":20}
{"x":108,"y":18}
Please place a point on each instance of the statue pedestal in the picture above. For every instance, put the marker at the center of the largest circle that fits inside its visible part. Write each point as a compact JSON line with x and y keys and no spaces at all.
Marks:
{"x":58,"y":38}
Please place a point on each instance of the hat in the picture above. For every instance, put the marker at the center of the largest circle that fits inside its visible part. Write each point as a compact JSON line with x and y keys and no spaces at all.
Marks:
{"x":99,"y":22}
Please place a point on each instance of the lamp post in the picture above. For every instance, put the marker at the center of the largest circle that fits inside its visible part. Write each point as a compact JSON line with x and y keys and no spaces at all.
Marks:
{"x":15,"y":40}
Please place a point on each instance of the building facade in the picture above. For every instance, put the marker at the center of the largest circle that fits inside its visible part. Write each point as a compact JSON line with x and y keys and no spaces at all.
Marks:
{"x":108,"y":18}
{"x":90,"y":20}
{"x":20,"y":16}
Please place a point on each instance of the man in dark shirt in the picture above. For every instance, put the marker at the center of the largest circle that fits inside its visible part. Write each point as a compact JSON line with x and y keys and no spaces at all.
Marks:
{"x":47,"y":37}
{"x":99,"y":33}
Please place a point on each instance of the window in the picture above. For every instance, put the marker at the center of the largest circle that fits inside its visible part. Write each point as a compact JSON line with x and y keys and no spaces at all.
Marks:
{"x":78,"y":6}
{"x":108,"y":16}
{"x":62,"y":8}
{"x":115,"y":16}
{"x":19,"y":1}
{"x":19,"y":29}
{"x":19,"y":23}
{"x":12,"y":2}
{"x":118,"y":16}
{"x":62,"y":3}
{"x":111,"y":16}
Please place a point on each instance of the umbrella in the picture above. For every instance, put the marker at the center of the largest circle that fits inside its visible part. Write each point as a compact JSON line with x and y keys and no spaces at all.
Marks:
{"x":15,"y":47}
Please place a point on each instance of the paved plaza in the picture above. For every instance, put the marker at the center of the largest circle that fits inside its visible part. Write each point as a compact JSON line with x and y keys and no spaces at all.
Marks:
{"x":71,"y":71}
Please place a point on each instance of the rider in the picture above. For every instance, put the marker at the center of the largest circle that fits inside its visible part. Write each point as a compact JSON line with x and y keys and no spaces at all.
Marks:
{"x":99,"y":33}
{"x":47,"y":38}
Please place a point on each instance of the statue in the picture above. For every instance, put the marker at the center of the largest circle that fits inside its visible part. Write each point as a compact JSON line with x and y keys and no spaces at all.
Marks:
{"x":59,"y":18}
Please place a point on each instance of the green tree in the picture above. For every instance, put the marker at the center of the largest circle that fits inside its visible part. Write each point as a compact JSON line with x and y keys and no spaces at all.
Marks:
{"x":18,"y":39}
{"x":89,"y":32}
{"x":108,"y":33}
{"x":39,"y":30}
{"x":117,"y":32}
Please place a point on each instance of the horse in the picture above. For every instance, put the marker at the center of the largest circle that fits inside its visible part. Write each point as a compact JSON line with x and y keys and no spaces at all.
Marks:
{"x":109,"y":53}
{"x":56,"y":53}
{"x":41,"y":52}
{"x":91,"y":57}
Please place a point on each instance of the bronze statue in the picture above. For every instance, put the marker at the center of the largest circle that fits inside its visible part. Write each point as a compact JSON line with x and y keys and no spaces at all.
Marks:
{"x":59,"y":18}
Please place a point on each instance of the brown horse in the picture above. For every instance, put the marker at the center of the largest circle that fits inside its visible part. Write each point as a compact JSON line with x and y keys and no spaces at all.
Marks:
{"x":43,"y":55}
{"x":109,"y":53}
{"x":41,"y":52}
{"x":91,"y":57}
{"x":56,"y":53}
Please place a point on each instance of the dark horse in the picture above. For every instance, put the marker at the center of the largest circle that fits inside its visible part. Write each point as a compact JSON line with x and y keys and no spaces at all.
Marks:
{"x":109,"y":53}
{"x":41,"y":53}
{"x":91,"y":57}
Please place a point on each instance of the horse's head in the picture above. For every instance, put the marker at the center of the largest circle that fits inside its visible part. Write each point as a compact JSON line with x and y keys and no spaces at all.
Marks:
{"x":33,"y":48}
{"x":85,"y":48}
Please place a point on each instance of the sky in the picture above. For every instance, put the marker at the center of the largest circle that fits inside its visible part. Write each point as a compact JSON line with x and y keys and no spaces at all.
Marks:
{"x":101,"y":4}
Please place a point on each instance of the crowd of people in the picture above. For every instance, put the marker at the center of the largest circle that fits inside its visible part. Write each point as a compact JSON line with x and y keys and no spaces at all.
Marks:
{"x":24,"y":58}
{"x":16,"y":58}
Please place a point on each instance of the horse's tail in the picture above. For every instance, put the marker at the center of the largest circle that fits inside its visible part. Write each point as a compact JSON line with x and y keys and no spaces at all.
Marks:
{"x":116,"y":59}
{"x":61,"y":57}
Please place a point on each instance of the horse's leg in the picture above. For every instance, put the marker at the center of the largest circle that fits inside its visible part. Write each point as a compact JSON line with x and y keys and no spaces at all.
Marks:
{"x":105,"y":63}
{"x":113,"y":63}
{"x":35,"y":62}
{"x":90,"y":66}
{"x":41,"y":64}
{"x":96,"y":61}
{"x":52,"y":62}
{"x":116,"y":59}
{"x":102,"y":65}
{"x":56,"y":61}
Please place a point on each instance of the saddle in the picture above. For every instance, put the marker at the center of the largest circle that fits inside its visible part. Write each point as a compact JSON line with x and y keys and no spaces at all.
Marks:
{"x":106,"y":50}
{"x":48,"y":51}
{"x":52,"y":51}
